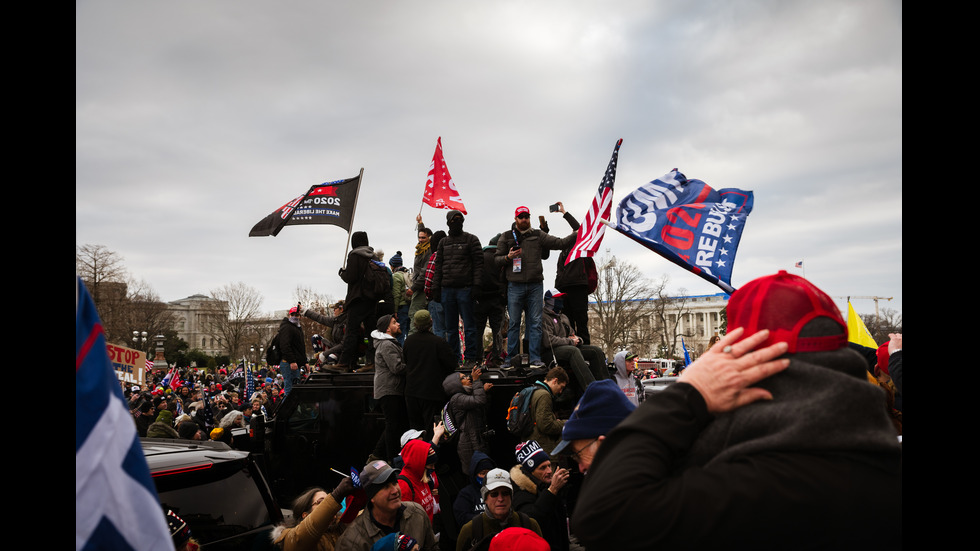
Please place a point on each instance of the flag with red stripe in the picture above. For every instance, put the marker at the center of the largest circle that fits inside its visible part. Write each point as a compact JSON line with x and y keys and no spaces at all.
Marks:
{"x":116,"y":503}
{"x":591,"y":231}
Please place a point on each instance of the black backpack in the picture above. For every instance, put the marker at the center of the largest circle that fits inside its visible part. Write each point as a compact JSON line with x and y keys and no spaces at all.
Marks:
{"x":273,"y":353}
{"x":378,"y":279}
{"x":520,"y":421}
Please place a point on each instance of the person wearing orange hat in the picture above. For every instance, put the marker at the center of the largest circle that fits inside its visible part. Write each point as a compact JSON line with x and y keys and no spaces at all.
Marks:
{"x":772,"y":439}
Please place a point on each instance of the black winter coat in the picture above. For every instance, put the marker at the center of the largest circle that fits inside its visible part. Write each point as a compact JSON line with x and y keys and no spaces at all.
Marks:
{"x":428,"y":359}
{"x":799,"y":472}
{"x":459,"y":262}
{"x":292,"y":343}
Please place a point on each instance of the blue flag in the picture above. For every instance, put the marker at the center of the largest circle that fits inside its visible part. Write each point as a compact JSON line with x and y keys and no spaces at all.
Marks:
{"x":688,"y":223}
{"x":116,"y":503}
{"x":249,"y":383}
{"x":687,"y":355}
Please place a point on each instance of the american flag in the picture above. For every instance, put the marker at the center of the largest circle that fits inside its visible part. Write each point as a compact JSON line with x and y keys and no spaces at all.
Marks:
{"x":591,"y":231}
{"x":175,"y":381}
{"x":799,"y":264}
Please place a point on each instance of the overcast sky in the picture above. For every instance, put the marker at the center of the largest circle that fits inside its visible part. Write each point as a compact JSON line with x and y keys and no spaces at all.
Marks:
{"x":196,"y":119}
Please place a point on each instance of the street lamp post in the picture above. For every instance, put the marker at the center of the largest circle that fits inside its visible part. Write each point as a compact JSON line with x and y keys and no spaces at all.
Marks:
{"x":139,"y":340}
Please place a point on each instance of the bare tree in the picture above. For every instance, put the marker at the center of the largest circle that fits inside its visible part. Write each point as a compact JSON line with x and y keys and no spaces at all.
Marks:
{"x":229,"y":317}
{"x":104,"y":275}
{"x":144,"y":312}
{"x":668,"y":312}
{"x":620,"y":311}
{"x":887,"y":321}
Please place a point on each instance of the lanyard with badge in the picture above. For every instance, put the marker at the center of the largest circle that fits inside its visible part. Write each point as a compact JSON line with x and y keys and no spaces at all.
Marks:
{"x":516,"y":260}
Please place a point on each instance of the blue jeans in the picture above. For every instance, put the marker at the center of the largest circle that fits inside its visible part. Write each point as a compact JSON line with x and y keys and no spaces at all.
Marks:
{"x":287,"y":376}
{"x":438,"y":319}
{"x":457,"y":302}
{"x":526,"y":298}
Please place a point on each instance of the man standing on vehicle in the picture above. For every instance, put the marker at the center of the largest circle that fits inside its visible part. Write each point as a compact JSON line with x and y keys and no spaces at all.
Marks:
{"x":423,"y":250}
{"x":386,"y":513}
{"x":519,"y":251}
{"x":293,"y":346}
{"x":459,"y":267}
{"x":361,"y":303}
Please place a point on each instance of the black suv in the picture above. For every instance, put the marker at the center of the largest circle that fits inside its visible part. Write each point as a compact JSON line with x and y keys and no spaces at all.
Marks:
{"x":220,"y":492}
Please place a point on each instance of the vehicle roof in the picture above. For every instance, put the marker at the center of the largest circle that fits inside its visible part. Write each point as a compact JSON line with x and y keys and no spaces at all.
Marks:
{"x":168,"y":454}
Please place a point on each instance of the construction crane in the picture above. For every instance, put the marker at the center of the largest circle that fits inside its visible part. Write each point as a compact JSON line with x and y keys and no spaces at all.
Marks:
{"x":876,"y":299}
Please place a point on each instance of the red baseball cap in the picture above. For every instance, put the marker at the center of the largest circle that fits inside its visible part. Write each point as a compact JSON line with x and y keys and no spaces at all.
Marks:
{"x":784,"y":303}
{"x":516,"y":538}
{"x":522,"y":210}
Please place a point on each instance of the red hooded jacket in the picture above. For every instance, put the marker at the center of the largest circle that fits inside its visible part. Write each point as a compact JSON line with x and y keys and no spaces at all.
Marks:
{"x":414,"y":455}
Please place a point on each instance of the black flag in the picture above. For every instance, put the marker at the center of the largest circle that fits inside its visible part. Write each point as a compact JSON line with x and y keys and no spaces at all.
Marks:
{"x":328,"y":203}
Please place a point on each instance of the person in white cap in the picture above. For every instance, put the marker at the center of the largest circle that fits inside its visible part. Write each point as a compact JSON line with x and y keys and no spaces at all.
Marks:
{"x":498,"y":514}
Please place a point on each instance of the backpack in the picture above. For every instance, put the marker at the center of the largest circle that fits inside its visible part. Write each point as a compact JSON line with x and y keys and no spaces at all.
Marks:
{"x":378,"y":279}
{"x":448,"y":419}
{"x":481,"y":542}
{"x":410,"y":486}
{"x":520,"y":421}
{"x":273,"y":353}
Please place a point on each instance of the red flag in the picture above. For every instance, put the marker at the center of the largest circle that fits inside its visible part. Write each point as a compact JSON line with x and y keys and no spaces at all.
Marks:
{"x":591,"y":231}
{"x":440,"y":191}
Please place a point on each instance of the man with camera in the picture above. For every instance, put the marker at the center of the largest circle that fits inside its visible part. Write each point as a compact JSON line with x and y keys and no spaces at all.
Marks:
{"x":519,"y":251}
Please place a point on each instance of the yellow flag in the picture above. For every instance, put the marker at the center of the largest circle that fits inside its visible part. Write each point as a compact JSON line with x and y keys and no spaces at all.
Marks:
{"x":856,"y":331}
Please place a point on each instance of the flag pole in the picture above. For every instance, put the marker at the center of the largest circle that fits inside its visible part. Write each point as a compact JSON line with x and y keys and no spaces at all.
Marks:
{"x":360,"y":180}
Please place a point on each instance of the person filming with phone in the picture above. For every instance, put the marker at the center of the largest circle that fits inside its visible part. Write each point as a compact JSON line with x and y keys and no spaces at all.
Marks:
{"x":519,"y":251}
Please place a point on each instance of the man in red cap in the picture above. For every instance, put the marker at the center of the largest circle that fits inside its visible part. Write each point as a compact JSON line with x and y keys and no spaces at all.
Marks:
{"x":519,"y":251}
{"x":293,"y":347}
{"x":750,"y":451}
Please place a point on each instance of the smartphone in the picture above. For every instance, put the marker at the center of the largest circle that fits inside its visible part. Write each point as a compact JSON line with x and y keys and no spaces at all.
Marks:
{"x":553,"y":208}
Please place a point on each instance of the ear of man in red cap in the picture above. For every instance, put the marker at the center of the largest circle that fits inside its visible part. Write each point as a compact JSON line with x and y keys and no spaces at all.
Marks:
{"x":773,"y":438}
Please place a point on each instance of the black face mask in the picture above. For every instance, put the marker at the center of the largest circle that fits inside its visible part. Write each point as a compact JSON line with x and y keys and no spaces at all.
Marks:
{"x":559,"y":304}
{"x":455,"y":227}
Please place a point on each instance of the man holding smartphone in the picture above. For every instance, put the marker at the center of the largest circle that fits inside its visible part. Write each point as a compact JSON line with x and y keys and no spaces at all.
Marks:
{"x":519,"y":252}
{"x":538,"y":492}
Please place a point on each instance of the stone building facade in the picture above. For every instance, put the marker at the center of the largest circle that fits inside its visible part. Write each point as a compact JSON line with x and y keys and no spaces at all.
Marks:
{"x":696,"y":319}
{"x":191,"y":322}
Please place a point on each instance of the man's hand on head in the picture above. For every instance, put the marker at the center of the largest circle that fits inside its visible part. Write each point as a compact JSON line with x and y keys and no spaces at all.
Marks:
{"x":724,"y":374}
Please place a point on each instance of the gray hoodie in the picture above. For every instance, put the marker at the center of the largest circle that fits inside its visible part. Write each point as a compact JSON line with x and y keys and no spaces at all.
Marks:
{"x":625,"y":380}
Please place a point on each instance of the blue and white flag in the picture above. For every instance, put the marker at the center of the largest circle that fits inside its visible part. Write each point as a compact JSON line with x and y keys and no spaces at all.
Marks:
{"x":116,"y":502}
{"x":688,"y":223}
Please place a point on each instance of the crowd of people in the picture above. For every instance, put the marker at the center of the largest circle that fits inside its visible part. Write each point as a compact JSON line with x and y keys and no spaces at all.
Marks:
{"x":465,"y":287}
{"x":782,"y":434}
